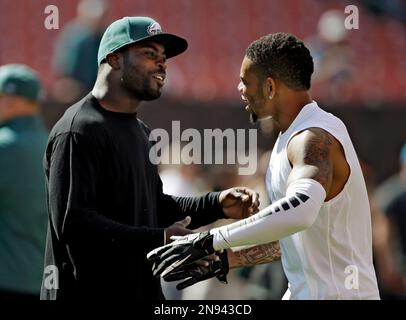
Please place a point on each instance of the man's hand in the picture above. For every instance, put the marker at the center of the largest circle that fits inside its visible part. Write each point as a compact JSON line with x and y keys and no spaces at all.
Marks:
{"x":184,"y":250}
{"x":239,"y":202}
{"x":177,"y":229}
{"x":212,"y":266}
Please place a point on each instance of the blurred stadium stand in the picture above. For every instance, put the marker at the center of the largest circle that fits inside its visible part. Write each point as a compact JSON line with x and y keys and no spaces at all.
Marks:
{"x":372,"y":102}
{"x":218,"y":32}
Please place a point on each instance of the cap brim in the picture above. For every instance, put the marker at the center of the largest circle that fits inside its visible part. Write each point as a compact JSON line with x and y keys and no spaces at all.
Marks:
{"x":174,"y":45}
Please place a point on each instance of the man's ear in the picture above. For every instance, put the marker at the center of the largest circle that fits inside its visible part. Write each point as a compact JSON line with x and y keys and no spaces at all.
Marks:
{"x":113,"y":59}
{"x":271,"y":87}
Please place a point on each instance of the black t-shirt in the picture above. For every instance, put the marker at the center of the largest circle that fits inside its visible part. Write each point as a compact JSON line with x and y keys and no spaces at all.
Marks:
{"x":106,"y":206}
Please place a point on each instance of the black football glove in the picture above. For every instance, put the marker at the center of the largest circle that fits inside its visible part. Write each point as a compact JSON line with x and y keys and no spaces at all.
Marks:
{"x":194,"y":273}
{"x":183,"y":251}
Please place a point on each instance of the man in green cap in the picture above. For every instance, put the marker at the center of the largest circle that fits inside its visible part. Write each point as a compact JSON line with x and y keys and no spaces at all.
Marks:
{"x":23,"y":217}
{"x":105,"y":199}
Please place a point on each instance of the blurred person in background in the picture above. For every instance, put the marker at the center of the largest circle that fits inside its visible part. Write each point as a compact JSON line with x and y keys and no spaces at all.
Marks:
{"x":23,"y":217}
{"x":389,"y":204}
{"x":392,"y":8}
{"x":185,"y":180}
{"x":393,"y":186}
{"x":75,"y":56}
{"x":332,"y":57}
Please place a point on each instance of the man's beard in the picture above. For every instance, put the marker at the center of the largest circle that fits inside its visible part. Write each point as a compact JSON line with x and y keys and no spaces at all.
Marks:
{"x":138,"y":84}
{"x":141,"y":91}
{"x":253,"y":118}
{"x":148,"y":95}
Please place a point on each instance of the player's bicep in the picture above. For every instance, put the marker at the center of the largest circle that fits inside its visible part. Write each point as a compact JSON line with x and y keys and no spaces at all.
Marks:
{"x":310,"y":154}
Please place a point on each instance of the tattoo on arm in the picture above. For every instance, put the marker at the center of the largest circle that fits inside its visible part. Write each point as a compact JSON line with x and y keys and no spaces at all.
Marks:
{"x":260,"y":254}
{"x":317,"y":153}
{"x":310,"y":154}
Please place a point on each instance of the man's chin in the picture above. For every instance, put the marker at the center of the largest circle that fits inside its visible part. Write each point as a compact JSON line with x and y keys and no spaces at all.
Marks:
{"x":253,"y":118}
{"x":151,"y":96}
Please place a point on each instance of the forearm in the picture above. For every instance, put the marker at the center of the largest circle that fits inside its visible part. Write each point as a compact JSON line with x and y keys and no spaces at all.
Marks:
{"x":260,"y":254}
{"x":203,"y":210}
{"x":294,"y":213}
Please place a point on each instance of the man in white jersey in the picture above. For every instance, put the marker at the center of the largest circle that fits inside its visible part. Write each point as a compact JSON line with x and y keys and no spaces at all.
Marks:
{"x":320,"y":211}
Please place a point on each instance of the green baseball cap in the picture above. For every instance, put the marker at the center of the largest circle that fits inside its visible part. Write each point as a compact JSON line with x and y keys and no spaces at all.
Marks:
{"x":129,"y":30}
{"x":19,"y":80}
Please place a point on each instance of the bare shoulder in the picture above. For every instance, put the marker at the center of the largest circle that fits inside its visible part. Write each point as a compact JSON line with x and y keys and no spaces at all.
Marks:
{"x":311,"y":146}
{"x":315,"y":153}
{"x":310,"y":153}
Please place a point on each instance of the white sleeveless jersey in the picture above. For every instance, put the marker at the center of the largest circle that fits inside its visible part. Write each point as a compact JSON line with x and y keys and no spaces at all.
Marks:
{"x":333,"y":258}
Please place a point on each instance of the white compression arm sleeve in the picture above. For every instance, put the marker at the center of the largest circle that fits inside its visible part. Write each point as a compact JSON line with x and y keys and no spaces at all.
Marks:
{"x":295,"y":212}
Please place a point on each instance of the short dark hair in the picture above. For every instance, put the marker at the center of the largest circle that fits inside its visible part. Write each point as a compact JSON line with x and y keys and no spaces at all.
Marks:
{"x":283,"y":57}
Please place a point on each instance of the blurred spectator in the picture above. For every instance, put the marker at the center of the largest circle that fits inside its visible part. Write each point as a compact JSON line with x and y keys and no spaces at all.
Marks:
{"x":332,"y":57}
{"x":23,"y":217}
{"x":181,"y":179}
{"x":393,"y":186}
{"x":389,"y":250}
{"x":389,"y":221}
{"x":75,"y":58}
{"x":393,"y":8}
{"x":396,"y":214}
{"x":265,"y":282}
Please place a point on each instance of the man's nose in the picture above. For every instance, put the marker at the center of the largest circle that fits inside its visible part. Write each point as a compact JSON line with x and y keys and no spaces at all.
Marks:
{"x":239,"y":87}
{"x":162,"y":63}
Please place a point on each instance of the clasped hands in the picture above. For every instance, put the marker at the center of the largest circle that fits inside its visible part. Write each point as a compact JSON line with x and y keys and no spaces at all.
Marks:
{"x":192,"y":257}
